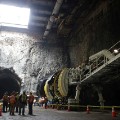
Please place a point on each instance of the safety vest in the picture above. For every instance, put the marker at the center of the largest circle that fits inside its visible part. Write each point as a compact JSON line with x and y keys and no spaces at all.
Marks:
{"x":23,"y":98}
{"x":12,"y":99}
{"x":17,"y":97}
{"x":31,"y":98}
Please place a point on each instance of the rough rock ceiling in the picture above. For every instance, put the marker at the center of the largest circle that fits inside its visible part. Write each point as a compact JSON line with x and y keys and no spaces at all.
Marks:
{"x":62,"y":16}
{"x":41,"y":10}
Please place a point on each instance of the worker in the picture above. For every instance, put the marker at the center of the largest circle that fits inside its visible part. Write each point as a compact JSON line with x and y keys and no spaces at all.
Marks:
{"x":22,"y":103}
{"x":46,"y":100}
{"x":30,"y":103}
{"x":17,"y":102}
{"x":5,"y":102}
{"x":12,"y":102}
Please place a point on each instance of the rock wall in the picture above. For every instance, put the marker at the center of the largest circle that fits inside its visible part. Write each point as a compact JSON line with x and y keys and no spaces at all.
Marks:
{"x":31,"y":58}
{"x":95,"y":31}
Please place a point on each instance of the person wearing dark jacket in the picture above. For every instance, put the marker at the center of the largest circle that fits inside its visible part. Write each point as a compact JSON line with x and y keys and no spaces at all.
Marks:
{"x":22,"y":103}
{"x":5,"y":102}
{"x":17,"y":101}
{"x":30,"y":103}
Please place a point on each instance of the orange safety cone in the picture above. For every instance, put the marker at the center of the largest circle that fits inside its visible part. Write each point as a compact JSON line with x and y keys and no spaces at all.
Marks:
{"x":113,"y":112}
{"x":88,"y":110}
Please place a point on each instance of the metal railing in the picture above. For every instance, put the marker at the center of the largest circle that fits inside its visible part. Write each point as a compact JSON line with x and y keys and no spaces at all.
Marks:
{"x":102,"y":58}
{"x":97,"y":62}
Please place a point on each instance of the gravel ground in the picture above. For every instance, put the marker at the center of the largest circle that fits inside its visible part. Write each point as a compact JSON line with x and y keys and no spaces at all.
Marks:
{"x":53,"y":114}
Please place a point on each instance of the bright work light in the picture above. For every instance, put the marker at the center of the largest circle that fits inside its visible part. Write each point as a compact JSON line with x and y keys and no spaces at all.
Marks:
{"x":115,"y":51}
{"x":14,"y":16}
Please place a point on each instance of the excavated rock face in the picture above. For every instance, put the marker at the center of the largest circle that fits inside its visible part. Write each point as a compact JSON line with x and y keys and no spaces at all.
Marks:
{"x":30,"y":58}
{"x":45,"y":59}
{"x":96,"y":28}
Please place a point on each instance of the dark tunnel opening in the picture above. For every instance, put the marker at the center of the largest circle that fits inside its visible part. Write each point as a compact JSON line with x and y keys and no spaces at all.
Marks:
{"x":9,"y":82}
{"x":40,"y":88}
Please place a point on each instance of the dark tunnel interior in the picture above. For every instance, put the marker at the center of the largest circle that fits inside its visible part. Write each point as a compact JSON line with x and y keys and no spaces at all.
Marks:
{"x":40,"y":88}
{"x":9,"y":82}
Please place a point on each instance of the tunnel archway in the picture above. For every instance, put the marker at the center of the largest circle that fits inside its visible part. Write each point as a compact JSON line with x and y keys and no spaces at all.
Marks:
{"x":9,"y":81}
{"x":40,"y":88}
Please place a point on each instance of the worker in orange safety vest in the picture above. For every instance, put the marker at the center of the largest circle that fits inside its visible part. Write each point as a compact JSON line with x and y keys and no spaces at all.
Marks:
{"x":12,"y":102}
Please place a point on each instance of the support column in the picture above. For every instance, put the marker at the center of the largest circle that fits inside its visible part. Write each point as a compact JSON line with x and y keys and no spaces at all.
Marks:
{"x":101,"y":100}
{"x":78,"y":88}
{"x":99,"y":91}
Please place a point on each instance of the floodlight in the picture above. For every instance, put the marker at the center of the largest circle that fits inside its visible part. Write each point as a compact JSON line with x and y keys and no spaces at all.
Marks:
{"x":115,"y":51}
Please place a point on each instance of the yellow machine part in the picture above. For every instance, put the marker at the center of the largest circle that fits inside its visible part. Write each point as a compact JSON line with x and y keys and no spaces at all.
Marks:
{"x":56,"y":92}
{"x":63,"y":82}
{"x":47,"y":92}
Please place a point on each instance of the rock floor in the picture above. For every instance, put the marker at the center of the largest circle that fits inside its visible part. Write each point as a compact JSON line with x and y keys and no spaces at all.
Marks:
{"x":53,"y":114}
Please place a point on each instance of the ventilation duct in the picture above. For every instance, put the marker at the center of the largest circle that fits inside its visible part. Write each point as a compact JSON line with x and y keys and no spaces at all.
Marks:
{"x":52,"y":17}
